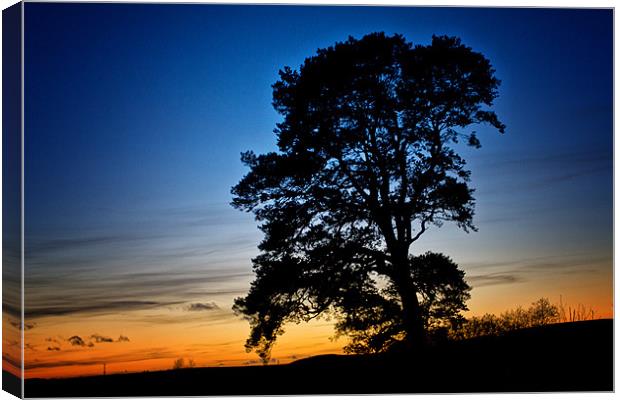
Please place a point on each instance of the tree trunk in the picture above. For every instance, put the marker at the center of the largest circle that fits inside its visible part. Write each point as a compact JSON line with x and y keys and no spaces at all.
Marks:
{"x":415,"y":334}
{"x":412,"y":318}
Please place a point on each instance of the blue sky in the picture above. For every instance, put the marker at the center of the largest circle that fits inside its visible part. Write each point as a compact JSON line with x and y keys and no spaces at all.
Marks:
{"x":136,"y":116}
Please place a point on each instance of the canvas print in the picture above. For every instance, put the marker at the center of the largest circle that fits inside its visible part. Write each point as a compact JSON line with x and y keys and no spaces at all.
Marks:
{"x":293,"y":199}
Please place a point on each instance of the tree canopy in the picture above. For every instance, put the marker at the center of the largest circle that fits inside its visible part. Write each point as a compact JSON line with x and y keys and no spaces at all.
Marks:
{"x":366,"y":163}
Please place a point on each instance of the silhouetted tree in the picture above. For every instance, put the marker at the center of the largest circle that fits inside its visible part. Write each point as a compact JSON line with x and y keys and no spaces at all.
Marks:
{"x":179,"y":363}
{"x":540,"y":313}
{"x":365,"y":166}
{"x":543,"y":312}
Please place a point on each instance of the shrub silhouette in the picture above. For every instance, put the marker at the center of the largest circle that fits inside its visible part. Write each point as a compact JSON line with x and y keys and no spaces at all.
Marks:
{"x":540,"y":313}
{"x":543,"y":312}
{"x":179,"y":363}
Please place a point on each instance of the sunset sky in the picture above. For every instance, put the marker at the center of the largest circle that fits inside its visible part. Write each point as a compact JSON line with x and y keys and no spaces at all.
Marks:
{"x":135,"y":116}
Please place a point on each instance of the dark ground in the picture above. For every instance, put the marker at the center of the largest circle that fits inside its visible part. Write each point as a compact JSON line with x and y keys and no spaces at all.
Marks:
{"x":564,"y":357}
{"x":11,"y":384}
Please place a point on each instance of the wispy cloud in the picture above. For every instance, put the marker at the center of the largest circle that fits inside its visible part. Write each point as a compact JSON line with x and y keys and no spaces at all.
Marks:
{"x":146,"y":354}
{"x":203,"y":306}
{"x":101,"y":339}
{"x":154,"y":234}
{"x":12,"y":309}
{"x":89,"y":293}
{"x":509,"y":173}
{"x":56,"y":343}
{"x":52,"y":340}
{"x":26,"y":326}
{"x":101,"y":308}
{"x":78,"y":341}
{"x":140,"y":260}
{"x":213,"y":317}
{"x":548,"y":262}
{"x":521,"y":270}
{"x":493,"y":279}
{"x":490,"y":161}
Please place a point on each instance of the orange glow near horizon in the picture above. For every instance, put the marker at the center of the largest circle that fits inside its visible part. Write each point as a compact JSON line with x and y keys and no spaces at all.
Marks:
{"x":11,"y":347}
{"x":208,"y":346}
{"x":217,"y":338}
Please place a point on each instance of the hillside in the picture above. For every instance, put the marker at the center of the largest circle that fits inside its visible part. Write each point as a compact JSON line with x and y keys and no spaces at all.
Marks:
{"x":564,"y":357}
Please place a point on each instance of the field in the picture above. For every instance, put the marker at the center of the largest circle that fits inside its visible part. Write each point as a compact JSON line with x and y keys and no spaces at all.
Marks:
{"x":574,"y":356}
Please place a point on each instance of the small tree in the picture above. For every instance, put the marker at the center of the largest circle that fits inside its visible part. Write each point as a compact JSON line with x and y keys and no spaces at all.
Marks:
{"x":179,"y":363}
{"x":367,"y":163}
{"x":516,"y":319}
{"x":542,"y":312}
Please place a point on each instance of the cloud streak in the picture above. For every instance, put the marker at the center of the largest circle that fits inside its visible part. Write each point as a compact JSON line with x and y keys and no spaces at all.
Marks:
{"x":18,"y":325}
{"x":516,"y":271}
{"x":89,"y":293}
{"x":176,"y":233}
{"x":147,"y":354}
{"x":493,"y":279}
{"x":140,"y":260}
{"x":101,"y":339}
{"x":78,"y":341}
{"x":203,"y":306}
{"x":103,"y":308}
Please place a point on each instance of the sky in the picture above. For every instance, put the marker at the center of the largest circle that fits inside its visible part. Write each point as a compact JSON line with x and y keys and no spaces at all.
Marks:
{"x":135,"y":117}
